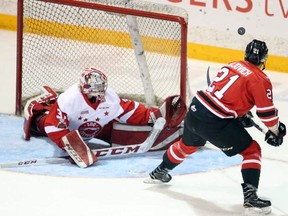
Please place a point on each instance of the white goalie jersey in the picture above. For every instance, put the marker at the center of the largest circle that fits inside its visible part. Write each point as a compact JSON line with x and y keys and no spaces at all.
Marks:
{"x":73,"y":111}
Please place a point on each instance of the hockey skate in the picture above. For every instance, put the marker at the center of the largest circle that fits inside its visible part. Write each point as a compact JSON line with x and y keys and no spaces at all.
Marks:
{"x":252,"y":203}
{"x":159,"y":175}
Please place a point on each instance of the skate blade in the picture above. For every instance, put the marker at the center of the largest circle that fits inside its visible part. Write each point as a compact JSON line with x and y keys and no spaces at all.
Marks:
{"x":257,"y":211}
{"x":152,"y":181}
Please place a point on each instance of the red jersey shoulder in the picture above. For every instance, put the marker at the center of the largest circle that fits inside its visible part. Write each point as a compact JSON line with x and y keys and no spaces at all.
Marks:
{"x":251,"y":73}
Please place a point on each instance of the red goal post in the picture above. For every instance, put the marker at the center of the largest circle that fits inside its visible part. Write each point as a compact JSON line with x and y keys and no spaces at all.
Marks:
{"x":141,"y":46}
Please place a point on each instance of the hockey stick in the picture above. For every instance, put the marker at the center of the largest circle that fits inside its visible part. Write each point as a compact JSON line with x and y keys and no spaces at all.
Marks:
{"x":252,"y":122}
{"x":101,"y":153}
{"x":258,"y":127}
{"x":208,"y":76}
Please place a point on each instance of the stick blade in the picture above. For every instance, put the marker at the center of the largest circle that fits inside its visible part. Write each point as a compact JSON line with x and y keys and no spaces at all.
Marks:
{"x":208,"y":76}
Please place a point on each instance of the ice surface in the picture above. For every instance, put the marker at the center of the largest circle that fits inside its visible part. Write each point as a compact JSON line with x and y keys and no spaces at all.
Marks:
{"x":207,"y":183}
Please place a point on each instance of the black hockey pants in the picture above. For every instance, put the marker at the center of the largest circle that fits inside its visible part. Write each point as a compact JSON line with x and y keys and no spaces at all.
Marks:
{"x":200,"y":125}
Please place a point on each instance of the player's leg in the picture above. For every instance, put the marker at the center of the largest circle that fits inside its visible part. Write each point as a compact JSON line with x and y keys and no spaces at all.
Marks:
{"x":234,"y":139}
{"x":174,"y":155}
{"x":251,"y":168}
{"x":35,"y":111}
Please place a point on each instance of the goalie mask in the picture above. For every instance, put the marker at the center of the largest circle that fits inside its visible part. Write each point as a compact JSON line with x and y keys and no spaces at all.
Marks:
{"x":93,"y":83}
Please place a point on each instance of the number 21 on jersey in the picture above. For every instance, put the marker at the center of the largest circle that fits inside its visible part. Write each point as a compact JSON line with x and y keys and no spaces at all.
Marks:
{"x":219,"y":93}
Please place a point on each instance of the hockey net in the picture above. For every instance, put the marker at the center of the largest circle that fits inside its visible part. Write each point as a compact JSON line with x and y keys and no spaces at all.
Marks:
{"x":140,"y":46}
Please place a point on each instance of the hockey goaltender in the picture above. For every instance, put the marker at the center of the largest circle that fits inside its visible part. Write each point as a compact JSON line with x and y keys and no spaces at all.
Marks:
{"x":90,"y":109}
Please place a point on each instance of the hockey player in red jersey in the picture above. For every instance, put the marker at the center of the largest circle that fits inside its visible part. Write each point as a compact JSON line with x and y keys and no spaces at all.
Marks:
{"x":220,"y":115}
{"x":83,"y":112}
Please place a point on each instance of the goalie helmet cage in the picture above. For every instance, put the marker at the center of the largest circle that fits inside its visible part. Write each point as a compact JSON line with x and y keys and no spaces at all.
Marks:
{"x":140,"y":46}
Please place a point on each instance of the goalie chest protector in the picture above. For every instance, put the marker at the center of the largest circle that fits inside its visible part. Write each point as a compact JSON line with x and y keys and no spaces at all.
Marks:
{"x":123,"y":134}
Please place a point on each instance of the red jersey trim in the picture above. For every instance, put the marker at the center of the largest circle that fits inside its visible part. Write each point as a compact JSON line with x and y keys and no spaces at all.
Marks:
{"x":215,"y":106}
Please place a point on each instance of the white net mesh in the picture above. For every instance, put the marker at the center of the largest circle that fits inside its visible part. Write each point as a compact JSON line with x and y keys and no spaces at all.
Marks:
{"x":59,"y":41}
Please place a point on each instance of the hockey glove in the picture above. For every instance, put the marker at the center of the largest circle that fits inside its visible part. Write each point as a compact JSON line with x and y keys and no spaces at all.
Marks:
{"x":274,"y":140}
{"x":246,"y":120}
{"x":173,"y":110}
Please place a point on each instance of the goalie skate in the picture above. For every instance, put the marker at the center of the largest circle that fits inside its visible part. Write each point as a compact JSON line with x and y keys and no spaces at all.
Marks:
{"x":159,"y":175}
{"x":253,"y":204}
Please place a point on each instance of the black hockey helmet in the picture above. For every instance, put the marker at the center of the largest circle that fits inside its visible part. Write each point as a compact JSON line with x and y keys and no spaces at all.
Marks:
{"x":256,"y":52}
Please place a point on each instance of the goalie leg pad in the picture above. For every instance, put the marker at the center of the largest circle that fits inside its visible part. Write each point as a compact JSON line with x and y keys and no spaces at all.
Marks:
{"x":34,"y":126}
{"x":36,"y":107}
{"x":123,"y":134}
{"x":78,"y":150}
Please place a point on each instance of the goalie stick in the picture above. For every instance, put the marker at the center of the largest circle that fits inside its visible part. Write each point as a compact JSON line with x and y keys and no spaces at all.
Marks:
{"x":252,"y":122}
{"x":101,"y":153}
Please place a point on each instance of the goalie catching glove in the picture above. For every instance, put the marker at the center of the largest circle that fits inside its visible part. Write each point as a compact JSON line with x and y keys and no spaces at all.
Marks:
{"x":276,"y":140}
{"x":77,"y":149}
{"x":173,"y":110}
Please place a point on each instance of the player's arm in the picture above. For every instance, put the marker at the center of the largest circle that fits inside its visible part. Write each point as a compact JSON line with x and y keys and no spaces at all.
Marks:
{"x":263,"y":97}
{"x":268,"y":114}
{"x":134,"y":113}
{"x":173,"y":110}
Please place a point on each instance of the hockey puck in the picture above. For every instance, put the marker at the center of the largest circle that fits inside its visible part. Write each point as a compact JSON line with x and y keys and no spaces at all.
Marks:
{"x":241,"y":31}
